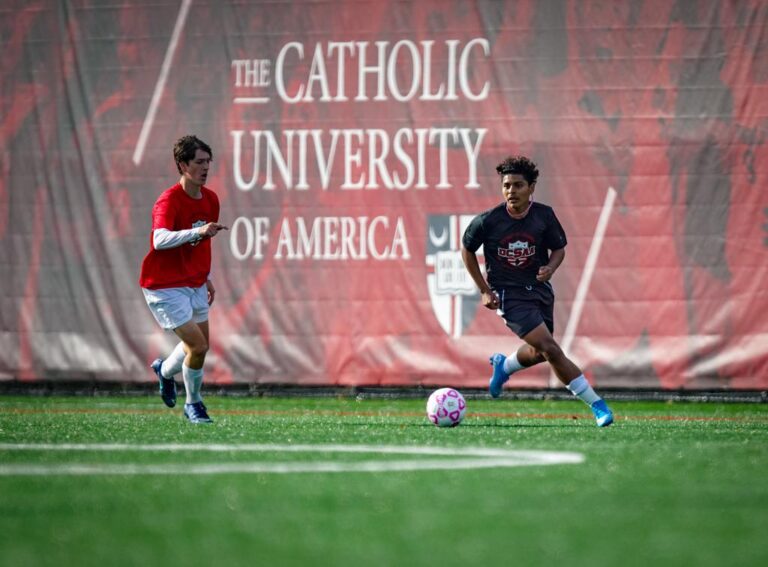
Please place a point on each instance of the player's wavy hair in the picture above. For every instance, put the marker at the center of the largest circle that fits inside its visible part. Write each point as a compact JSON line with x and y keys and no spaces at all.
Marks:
{"x":520,"y":165}
{"x":185,"y":147}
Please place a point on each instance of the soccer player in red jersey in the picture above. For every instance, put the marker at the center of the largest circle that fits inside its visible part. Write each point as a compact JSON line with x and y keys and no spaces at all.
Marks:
{"x":523,"y":244}
{"x":175,"y":274}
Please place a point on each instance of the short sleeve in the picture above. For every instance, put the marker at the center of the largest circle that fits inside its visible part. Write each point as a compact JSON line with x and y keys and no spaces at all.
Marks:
{"x":164,"y":213}
{"x":216,"y":207}
{"x":554,"y":236}
{"x":474,"y":235}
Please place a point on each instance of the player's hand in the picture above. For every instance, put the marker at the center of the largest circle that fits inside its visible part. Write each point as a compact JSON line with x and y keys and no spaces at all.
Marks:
{"x":211,"y":229}
{"x":211,"y":291}
{"x":490,"y":300}
{"x":545,"y":273}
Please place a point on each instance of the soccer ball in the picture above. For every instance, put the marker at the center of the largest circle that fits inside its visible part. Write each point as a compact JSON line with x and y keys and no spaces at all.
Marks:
{"x":446,"y":407}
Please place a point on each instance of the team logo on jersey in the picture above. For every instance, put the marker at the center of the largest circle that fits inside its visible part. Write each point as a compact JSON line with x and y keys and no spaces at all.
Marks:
{"x":197,"y":224}
{"x":517,"y":250}
{"x":452,"y":293}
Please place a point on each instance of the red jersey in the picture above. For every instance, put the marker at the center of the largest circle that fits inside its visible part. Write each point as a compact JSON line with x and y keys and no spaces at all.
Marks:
{"x":187,"y":265}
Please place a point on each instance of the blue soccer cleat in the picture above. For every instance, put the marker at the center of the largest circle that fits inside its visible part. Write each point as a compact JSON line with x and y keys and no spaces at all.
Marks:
{"x":196,"y":413}
{"x":603,"y":415}
{"x":167,"y":385}
{"x":499,"y":377}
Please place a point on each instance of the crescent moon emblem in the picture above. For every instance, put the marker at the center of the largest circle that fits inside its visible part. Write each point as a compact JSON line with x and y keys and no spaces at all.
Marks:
{"x":438,"y":241}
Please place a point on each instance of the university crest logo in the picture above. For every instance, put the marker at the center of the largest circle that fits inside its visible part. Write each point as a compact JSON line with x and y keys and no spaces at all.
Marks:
{"x":452,"y":292}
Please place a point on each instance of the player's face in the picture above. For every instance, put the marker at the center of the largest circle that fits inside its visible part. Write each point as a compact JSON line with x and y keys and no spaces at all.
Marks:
{"x":196,"y":170}
{"x":517,"y":193}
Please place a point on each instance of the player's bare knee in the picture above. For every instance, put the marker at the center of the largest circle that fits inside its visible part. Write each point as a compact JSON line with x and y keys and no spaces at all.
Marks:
{"x":198,"y":349}
{"x":550,"y":350}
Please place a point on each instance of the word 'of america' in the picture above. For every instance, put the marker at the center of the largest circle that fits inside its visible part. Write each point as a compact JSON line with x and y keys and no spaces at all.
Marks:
{"x":321,"y":238}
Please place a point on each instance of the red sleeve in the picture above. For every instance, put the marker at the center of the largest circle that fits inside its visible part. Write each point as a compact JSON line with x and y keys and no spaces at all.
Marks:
{"x":218,"y":208}
{"x":164,"y":212}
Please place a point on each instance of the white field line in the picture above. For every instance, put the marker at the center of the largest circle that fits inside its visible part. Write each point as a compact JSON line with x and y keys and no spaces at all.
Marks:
{"x":586,"y":278}
{"x":138,"y":153}
{"x":460,"y":459}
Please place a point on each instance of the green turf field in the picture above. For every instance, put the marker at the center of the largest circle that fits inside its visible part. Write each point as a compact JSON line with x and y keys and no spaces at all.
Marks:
{"x":108,"y":484}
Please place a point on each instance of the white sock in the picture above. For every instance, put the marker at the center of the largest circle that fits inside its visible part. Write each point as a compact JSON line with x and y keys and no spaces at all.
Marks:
{"x":193,"y":380}
{"x":199,"y":385}
{"x":511,"y":364}
{"x":580,"y":388}
{"x":172,"y":365}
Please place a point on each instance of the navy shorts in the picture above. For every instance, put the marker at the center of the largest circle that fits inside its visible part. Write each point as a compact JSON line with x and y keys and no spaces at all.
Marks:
{"x":525,"y":309}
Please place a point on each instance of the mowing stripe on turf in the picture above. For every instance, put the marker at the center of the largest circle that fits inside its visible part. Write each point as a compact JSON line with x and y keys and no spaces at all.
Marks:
{"x":460,"y":459}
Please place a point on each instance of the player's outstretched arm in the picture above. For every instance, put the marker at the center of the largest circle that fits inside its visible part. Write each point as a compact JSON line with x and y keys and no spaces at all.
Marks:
{"x":211,"y":229}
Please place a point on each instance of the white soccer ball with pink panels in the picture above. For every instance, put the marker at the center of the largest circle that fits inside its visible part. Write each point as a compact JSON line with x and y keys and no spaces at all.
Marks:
{"x":446,"y":407}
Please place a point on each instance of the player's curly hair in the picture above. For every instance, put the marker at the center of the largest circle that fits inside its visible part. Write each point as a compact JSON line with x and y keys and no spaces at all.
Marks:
{"x":185,"y":147}
{"x":520,"y":165}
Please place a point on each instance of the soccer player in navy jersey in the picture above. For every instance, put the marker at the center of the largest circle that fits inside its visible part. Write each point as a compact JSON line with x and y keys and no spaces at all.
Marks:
{"x":523,"y":245}
{"x":175,"y":274}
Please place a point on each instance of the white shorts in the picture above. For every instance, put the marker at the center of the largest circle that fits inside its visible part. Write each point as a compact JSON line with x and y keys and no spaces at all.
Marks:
{"x":174,"y":306}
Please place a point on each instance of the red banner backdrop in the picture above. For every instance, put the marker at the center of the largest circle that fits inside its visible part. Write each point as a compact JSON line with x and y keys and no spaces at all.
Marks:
{"x":352,"y":143}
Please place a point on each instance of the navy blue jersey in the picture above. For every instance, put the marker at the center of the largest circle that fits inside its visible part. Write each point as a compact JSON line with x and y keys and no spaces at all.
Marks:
{"x":514,"y":250}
